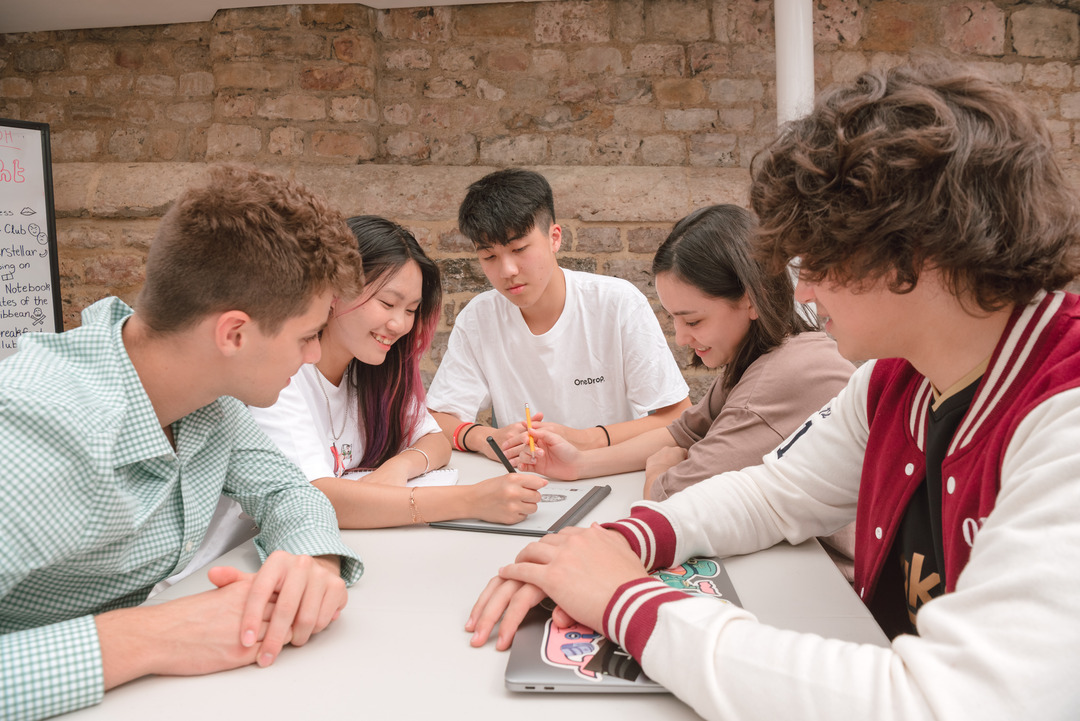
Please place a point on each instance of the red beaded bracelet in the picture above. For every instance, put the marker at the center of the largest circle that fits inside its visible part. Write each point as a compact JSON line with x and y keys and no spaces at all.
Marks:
{"x":457,"y":430}
{"x":465,"y":436}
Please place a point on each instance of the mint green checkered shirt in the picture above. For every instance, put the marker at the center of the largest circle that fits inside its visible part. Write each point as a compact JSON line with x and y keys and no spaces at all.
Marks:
{"x":96,"y":507}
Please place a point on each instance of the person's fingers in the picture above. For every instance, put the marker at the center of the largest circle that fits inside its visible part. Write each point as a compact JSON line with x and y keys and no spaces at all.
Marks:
{"x":482,"y":601}
{"x":222,"y":576}
{"x":514,"y":448}
{"x":489,"y":609}
{"x":334,"y":599}
{"x":531,"y":481}
{"x":511,"y":435}
{"x":263,"y":587}
{"x":562,"y":619}
{"x":290,"y":594}
{"x":523,"y":599}
{"x":537,"y":552}
{"x":525,"y":572}
{"x":541,"y":434}
{"x":309,"y":610}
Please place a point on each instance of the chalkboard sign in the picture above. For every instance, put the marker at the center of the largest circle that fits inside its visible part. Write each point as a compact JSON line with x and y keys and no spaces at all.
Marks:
{"x":29,"y":269}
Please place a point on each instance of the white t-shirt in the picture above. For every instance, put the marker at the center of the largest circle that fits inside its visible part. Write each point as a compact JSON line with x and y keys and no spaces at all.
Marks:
{"x":604,"y":361}
{"x":299,"y":424}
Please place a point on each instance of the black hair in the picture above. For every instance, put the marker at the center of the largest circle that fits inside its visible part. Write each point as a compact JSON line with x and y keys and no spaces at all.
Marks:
{"x":504,"y":206}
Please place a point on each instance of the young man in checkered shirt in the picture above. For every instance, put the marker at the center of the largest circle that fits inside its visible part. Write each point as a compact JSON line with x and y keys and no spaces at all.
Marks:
{"x":118,"y":438}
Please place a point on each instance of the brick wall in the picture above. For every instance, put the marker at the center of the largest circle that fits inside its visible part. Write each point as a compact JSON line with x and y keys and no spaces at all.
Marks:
{"x":638,"y":111}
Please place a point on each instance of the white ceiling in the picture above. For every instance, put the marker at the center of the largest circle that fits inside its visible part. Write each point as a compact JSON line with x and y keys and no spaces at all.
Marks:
{"x":21,"y":16}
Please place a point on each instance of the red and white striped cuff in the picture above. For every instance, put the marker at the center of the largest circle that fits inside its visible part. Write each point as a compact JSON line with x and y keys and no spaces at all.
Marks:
{"x":650,"y":535}
{"x":630,"y":616}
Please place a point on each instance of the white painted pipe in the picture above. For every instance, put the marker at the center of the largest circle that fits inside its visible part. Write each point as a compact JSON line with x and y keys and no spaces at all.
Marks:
{"x":794,"y":59}
{"x":794,"y":79}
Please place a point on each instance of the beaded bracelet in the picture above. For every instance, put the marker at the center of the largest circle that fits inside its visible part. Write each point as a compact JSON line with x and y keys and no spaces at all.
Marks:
{"x":606,"y":434}
{"x":457,"y":430}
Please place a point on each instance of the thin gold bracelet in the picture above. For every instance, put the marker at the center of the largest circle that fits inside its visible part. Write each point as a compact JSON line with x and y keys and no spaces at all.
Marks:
{"x":414,"y":509}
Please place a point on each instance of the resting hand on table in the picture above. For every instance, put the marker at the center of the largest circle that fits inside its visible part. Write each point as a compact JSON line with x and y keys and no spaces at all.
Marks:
{"x":307,"y":594}
{"x":190,"y":636}
{"x":555,"y":456}
{"x":201,"y":634}
{"x":579,"y":568}
{"x":508,"y":600}
{"x":508,"y":498}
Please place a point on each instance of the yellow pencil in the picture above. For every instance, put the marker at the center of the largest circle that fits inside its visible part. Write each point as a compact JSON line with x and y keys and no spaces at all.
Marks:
{"x":528,"y":424}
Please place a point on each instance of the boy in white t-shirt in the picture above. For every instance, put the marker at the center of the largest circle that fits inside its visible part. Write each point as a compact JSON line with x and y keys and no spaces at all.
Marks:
{"x":583,"y":350}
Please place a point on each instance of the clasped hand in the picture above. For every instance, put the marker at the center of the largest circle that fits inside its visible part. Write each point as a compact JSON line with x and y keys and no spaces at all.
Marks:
{"x":246,"y":619}
{"x":307,"y":593}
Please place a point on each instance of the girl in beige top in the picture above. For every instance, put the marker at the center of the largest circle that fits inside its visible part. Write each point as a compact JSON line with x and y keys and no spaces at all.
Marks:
{"x":778,"y":368}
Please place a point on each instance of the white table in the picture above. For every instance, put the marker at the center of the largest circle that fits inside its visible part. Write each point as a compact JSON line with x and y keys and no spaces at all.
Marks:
{"x":399,"y":649}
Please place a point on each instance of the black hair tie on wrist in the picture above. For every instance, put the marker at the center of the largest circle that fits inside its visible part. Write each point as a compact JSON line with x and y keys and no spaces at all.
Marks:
{"x":466,"y":435}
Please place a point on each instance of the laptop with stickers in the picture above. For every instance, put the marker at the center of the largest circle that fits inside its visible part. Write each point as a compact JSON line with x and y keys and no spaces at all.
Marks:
{"x":547,"y":659}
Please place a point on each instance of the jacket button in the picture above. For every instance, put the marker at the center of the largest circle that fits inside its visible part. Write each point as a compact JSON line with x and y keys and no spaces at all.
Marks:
{"x":877,"y":533}
{"x":909,"y":468}
{"x":950,"y":485}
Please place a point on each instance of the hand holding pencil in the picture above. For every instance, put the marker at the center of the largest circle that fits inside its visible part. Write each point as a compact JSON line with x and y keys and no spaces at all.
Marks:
{"x":528,"y":426}
{"x":551,"y":455}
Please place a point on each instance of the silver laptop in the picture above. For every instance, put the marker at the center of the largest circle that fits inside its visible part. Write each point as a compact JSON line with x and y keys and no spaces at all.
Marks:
{"x":545,"y":658}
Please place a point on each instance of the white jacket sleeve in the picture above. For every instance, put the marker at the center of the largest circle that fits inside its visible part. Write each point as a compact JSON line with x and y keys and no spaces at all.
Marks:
{"x":1004,"y":645}
{"x":807,"y":486}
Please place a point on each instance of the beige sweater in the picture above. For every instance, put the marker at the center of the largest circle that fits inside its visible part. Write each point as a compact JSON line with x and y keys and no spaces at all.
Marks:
{"x":777,"y":393}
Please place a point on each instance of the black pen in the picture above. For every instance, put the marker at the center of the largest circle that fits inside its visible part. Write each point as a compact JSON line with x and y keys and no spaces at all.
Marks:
{"x":501,"y":455}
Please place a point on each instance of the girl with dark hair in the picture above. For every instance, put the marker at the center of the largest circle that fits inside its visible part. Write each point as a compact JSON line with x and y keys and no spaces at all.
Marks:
{"x":777,"y":367}
{"x":361,"y":406}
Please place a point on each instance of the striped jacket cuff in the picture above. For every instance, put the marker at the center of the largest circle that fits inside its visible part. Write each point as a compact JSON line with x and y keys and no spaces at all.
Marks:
{"x":630,"y":616}
{"x":650,"y":535}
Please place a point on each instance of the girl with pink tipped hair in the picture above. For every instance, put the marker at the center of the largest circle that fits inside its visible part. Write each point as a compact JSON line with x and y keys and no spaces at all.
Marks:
{"x":361,"y":406}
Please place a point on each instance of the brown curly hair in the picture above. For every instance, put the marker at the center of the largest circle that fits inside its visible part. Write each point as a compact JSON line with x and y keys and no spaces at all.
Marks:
{"x":251,"y":241}
{"x":924,"y":166}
